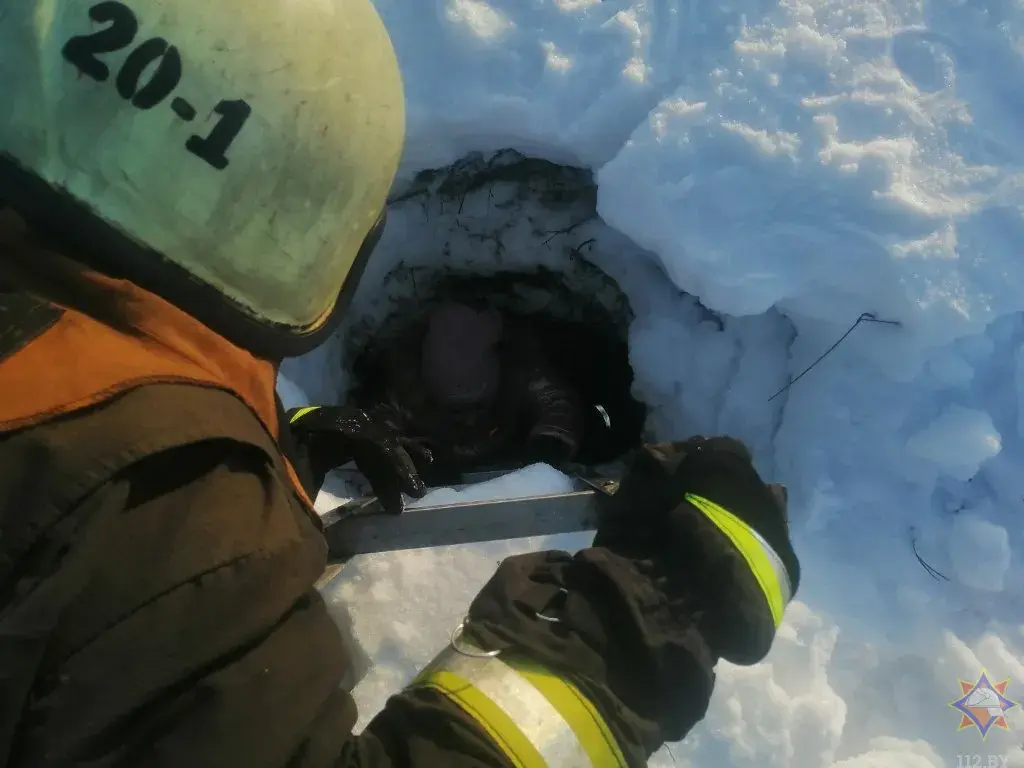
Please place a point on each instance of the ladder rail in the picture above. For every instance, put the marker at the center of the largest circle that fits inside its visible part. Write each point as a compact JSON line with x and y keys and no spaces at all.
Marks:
{"x":361,"y":526}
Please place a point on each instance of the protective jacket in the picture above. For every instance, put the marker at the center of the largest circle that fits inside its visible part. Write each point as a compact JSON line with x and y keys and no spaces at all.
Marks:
{"x":158,"y":557}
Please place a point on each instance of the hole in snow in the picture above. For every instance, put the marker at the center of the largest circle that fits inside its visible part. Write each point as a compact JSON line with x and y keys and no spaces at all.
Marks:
{"x":523,"y":235}
{"x":579,"y":345}
{"x":500,"y":236}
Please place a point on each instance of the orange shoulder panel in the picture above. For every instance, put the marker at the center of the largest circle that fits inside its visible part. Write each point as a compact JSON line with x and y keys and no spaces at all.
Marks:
{"x":140,"y":339}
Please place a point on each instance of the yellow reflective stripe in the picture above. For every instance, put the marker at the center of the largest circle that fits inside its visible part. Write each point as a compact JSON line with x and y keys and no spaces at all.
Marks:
{"x":562,"y":727}
{"x":489,"y":715}
{"x":577,"y":710}
{"x":302,"y":412}
{"x":763,"y":561}
{"x":530,"y":713}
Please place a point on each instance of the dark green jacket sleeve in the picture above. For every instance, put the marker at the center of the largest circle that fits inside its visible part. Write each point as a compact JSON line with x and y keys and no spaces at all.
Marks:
{"x":176,"y":625}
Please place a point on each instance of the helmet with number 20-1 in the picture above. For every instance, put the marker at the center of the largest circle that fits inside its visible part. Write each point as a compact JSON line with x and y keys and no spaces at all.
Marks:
{"x":233,"y":156}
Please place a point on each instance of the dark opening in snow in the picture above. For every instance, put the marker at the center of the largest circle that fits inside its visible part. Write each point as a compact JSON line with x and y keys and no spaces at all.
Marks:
{"x":521,"y":235}
{"x":584,"y":340}
{"x":524,"y":235}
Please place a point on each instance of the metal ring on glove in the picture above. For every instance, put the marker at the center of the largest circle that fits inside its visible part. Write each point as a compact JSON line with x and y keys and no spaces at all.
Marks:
{"x":551,"y":619}
{"x":476,"y":654}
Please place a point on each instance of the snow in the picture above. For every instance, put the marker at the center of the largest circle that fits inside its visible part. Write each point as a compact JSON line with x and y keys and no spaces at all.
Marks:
{"x":980,"y":552}
{"x":793,"y":165}
{"x":957,"y":442}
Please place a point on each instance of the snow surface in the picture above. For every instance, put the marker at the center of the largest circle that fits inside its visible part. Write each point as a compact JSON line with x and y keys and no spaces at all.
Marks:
{"x":793,"y":164}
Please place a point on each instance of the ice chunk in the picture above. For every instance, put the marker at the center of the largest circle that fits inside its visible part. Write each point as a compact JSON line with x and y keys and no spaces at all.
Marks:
{"x":980,"y":551}
{"x":958,"y":441}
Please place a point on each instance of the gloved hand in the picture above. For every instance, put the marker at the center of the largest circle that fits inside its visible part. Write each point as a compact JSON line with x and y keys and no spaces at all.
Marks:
{"x":691,"y":563}
{"x":701,"y":513}
{"x":329,"y":436}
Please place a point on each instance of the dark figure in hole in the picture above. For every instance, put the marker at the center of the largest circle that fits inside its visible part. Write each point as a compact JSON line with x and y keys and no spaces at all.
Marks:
{"x":477,"y":388}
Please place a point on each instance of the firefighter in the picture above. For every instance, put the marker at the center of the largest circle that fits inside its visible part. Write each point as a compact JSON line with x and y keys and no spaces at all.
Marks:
{"x":191,"y":190}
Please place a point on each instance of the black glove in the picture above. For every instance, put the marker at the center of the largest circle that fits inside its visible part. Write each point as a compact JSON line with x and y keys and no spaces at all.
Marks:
{"x":329,"y":436}
{"x":644,"y":615}
{"x":660,"y":514}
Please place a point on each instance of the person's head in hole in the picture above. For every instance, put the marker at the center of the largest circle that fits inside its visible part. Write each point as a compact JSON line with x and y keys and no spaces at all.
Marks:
{"x":460,"y":361}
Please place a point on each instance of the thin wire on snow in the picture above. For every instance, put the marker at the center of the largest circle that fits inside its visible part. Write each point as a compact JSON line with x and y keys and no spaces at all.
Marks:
{"x":931,"y":570}
{"x":867,"y":317}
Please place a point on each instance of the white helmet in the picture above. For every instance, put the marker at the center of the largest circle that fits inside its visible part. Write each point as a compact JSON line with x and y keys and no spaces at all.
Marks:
{"x":207,"y":149}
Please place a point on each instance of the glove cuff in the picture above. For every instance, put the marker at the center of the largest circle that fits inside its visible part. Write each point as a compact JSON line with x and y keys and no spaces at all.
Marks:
{"x":739,"y":549}
{"x":725,"y":476}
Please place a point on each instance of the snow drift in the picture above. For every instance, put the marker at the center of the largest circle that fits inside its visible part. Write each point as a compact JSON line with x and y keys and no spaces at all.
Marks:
{"x":788,"y":166}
